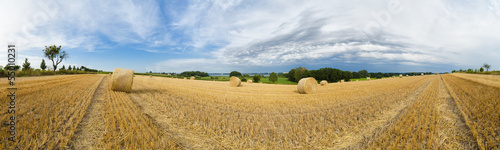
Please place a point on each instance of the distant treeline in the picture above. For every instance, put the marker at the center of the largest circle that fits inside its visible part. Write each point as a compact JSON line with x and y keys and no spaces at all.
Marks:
{"x":335,"y":75}
{"x":328,"y":74}
{"x":194,"y":73}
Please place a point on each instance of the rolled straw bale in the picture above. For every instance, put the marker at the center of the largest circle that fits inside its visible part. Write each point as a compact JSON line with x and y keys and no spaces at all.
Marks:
{"x":323,"y":82}
{"x":400,"y":75}
{"x":307,"y":85}
{"x":191,"y":78}
{"x":234,"y":81}
{"x":122,"y":80}
{"x":421,"y":74}
{"x":368,"y":78}
{"x":437,"y":73}
{"x":406,"y":75}
{"x":184,"y":77}
{"x":249,"y":81}
{"x":342,"y":81}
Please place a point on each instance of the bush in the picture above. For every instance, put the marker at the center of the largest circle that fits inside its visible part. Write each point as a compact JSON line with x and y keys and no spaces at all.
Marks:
{"x":256,"y":78}
{"x":273,"y":77}
{"x":217,"y":78}
{"x":244,"y":80}
{"x":235,"y":73}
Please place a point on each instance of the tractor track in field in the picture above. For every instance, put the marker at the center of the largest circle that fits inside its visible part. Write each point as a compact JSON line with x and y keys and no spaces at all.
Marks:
{"x":453,"y":131}
{"x":90,"y":132}
{"x":381,"y":124}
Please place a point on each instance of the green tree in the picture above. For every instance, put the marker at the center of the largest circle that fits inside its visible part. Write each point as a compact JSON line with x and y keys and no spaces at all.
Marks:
{"x":74,"y":68}
{"x":363,"y":73}
{"x":299,"y":73}
{"x":42,"y":65}
{"x":55,"y":54}
{"x":63,"y":68}
{"x":291,"y":75}
{"x":234,"y":73}
{"x":480,"y":69}
{"x":486,"y":66}
{"x":273,"y":77}
{"x":26,"y":65}
{"x":69,"y":67}
{"x":256,"y":78}
{"x":16,"y":67}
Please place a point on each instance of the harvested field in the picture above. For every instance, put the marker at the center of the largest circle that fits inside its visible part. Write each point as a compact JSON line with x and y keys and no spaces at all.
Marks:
{"x":450,"y":111}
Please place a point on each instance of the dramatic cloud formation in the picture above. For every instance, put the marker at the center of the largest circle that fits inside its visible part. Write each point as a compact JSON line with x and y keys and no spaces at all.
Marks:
{"x":255,"y":36}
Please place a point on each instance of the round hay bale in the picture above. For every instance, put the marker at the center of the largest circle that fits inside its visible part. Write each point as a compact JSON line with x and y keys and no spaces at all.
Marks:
{"x":307,"y":85}
{"x":191,"y":78}
{"x":406,"y":75}
{"x":234,"y":81}
{"x":437,"y":73}
{"x":421,"y":74}
{"x":184,"y":77}
{"x":249,"y":81}
{"x":400,"y":75}
{"x":323,"y":82}
{"x":342,"y":81}
{"x":122,"y":80}
{"x":367,"y":78}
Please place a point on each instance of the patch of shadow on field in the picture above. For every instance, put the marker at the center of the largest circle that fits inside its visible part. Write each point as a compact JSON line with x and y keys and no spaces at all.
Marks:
{"x":368,"y":134}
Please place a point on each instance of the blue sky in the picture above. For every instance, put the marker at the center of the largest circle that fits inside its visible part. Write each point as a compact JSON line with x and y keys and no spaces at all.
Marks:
{"x":257,"y":36}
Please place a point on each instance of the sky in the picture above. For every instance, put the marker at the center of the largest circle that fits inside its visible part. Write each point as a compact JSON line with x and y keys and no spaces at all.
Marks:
{"x":218,"y":36}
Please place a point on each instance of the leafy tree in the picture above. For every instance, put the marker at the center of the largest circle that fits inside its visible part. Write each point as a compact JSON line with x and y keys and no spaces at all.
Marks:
{"x":42,"y":65}
{"x":63,"y":68}
{"x":273,"y":77}
{"x":299,"y":73}
{"x":26,"y":65}
{"x":234,"y":73}
{"x":486,"y":66}
{"x":16,"y":67}
{"x":194,"y":73}
{"x":480,"y":69}
{"x":291,"y":75}
{"x":363,"y":73}
{"x":256,"y":78}
{"x":74,"y":68}
{"x":54,"y":52}
{"x":69,"y":67}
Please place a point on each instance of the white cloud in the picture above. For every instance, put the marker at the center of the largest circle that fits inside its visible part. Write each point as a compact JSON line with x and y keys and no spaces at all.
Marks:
{"x":285,"y":32}
{"x":35,"y":24}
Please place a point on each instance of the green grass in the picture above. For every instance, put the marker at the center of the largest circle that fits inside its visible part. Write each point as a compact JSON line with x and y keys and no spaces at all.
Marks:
{"x":280,"y":81}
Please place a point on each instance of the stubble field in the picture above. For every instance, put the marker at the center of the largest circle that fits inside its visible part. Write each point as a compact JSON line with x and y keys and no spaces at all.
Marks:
{"x":451,"y":111}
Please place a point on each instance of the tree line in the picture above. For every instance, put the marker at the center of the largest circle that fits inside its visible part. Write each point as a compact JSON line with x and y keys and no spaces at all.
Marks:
{"x":194,"y":73}
{"x":335,"y":75}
